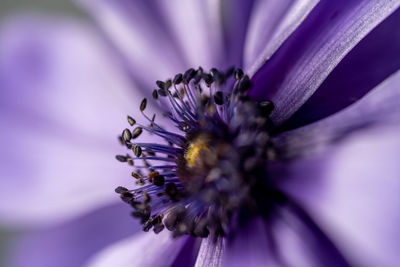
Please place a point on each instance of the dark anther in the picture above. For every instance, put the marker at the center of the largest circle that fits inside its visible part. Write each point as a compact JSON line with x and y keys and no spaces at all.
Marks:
{"x":167,"y":84}
{"x":266,"y":107}
{"x":156,"y":220}
{"x":178,"y":79}
{"x":143,"y":104}
{"x":158,"y":180}
{"x":238,"y":74}
{"x":158,"y":228}
{"x":126,"y":135}
{"x":135,"y":175}
{"x":135,"y":133}
{"x":147,"y":226}
{"x":155,"y":94}
{"x":189,"y":74}
{"x":120,"y":190}
{"x":219,"y":98}
{"x":198,"y":76}
{"x":131,"y":121}
{"x":244,"y":84}
{"x":127,"y":197}
{"x":213,"y":72}
{"x":162,"y":92}
{"x":137,"y":150}
{"x":160,"y":84}
{"x":208,"y":79}
{"x":121,"y":158}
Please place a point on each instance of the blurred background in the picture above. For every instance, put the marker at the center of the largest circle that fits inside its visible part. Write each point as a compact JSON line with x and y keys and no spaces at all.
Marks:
{"x":16,"y":7}
{"x":9,"y":7}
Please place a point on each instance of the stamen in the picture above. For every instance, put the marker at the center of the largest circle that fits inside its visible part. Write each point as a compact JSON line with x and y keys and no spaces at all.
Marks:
{"x":212,"y":168}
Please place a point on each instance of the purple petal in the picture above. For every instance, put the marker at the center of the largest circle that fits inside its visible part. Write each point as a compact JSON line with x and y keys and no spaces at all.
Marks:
{"x":369,"y":63}
{"x":64,"y":101}
{"x":352,"y":191}
{"x":157,"y":39}
{"x":72,"y":243}
{"x":188,"y":254}
{"x":298,"y":241}
{"x":379,"y":106}
{"x":249,"y":247}
{"x":197,"y":27}
{"x":299,"y":67}
{"x":210,"y":254}
{"x":236,"y":15}
{"x":138,"y":32}
{"x":270,"y":25}
{"x":143,"y":249}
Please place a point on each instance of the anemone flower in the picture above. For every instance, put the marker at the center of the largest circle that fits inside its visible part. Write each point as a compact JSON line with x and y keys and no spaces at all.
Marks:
{"x":288,"y":159}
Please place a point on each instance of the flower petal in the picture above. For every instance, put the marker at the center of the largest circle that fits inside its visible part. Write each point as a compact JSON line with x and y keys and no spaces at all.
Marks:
{"x":154,"y":37}
{"x":299,"y":67}
{"x":235,"y":16}
{"x":143,"y":249}
{"x":369,"y":63}
{"x":210,"y":254}
{"x":138,"y":32}
{"x":352,"y":191}
{"x":197,"y":27}
{"x":250,"y":247}
{"x":270,"y":25}
{"x":72,"y":243}
{"x":298,"y":241}
{"x":188,"y":254}
{"x":378,"y":107}
{"x":63,"y":100}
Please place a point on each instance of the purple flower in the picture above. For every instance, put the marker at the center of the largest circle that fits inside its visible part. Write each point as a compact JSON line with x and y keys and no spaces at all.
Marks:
{"x":329,"y":67}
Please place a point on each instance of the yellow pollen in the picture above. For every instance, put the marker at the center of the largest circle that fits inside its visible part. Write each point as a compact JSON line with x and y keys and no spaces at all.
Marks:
{"x":194,"y":150}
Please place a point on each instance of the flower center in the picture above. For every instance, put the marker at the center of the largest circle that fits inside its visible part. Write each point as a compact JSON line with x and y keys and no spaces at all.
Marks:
{"x":208,"y":174}
{"x":196,"y":150}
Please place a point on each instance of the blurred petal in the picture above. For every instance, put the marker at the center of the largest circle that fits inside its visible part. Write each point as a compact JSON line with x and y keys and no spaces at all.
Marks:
{"x":188,"y":254}
{"x":270,"y":25}
{"x":349,"y":179}
{"x":72,"y":243}
{"x":298,"y":241}
{"x":64,"y":102}
{"x":197,"y":27}
{"x":352,"y":191}
{"x":299,"y":67}
{"x":249,"y":247}
{"x":159,"y":38}
{"x":235,"y":16}
{"x":210,"y":254}
{"x":290,"y":238}
{"x":143,"y":249}
{"x":369,"y":63}
{"x":377,"y":107}
{"x":140,"y":35}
